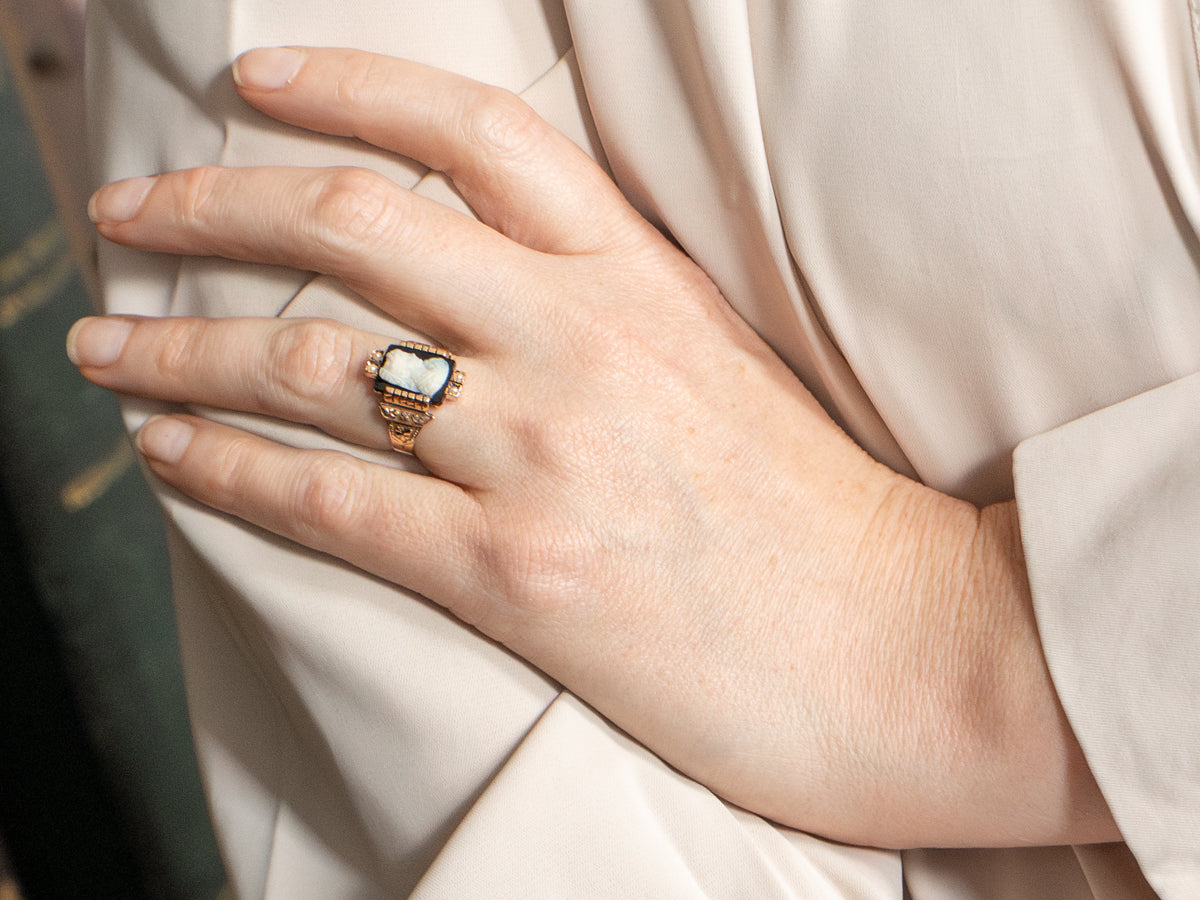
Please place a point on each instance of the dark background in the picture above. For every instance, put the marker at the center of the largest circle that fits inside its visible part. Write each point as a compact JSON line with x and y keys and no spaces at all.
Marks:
{"x":99,"y":794}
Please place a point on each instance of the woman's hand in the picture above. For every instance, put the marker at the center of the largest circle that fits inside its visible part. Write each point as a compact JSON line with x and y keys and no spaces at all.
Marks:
{"x":633,"y":492}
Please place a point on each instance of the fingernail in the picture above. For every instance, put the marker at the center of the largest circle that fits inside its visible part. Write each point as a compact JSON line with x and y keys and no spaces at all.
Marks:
{"x":120,"y":201}
{"x":165,"y":438}
{"x":268,"y":68}
{"x":97,"y":341}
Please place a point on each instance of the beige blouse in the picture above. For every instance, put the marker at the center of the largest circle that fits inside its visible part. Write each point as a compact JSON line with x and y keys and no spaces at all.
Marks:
{"x":969,"y":227}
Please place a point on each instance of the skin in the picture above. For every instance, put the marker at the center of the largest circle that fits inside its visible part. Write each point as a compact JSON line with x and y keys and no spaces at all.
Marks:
{"x":633,"y":492}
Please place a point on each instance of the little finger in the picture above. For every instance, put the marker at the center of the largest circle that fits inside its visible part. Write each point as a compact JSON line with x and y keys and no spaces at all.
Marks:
{"x":415,"y":531}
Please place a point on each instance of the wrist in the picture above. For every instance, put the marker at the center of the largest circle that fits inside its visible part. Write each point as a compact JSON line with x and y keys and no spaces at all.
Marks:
{"x":1031,"y":744}
{"x":982,"y":754}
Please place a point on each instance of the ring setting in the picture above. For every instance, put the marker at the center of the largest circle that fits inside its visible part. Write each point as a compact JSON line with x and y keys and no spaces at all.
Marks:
{"x":410,"y":379}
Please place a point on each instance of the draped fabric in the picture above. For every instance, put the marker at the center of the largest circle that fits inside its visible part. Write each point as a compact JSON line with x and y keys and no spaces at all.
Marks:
{"x":967,"y":229}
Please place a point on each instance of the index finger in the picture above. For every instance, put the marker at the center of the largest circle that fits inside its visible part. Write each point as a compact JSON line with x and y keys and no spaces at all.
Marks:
{"x":520,"y":175}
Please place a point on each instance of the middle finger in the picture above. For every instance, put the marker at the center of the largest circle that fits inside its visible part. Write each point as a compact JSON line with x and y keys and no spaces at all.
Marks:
{"x":428,"y":266}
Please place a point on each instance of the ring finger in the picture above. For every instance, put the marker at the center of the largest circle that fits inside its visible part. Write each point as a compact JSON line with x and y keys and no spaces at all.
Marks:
{"x":308,"y":371}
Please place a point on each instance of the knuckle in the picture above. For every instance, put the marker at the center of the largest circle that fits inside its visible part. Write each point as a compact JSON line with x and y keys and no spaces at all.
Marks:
{"x":650,"y":328}
{"x":541,"y":568}
{"x":177,"y":348}
{"x":500,"y":123}
{"x":226,"y":471}
{"x":311,"y":362}
{"x":197,"y":191}
{"x":356,"y":210}
{"x":611,"y":342}
{"x":362,"y":82}
{"x":329,"y":497}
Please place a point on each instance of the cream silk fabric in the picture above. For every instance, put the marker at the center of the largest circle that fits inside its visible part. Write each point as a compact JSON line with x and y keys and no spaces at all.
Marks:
{"x":969,"y":226}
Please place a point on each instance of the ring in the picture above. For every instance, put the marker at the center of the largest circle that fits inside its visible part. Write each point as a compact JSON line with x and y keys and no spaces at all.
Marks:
{"x":410,"y":378}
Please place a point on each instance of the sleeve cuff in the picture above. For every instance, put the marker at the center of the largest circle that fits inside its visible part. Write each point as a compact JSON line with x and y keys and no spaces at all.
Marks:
{"x":1110,"y":521}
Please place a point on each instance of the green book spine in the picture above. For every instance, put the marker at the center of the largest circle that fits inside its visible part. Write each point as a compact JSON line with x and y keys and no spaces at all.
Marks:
{"x":98,"y":779}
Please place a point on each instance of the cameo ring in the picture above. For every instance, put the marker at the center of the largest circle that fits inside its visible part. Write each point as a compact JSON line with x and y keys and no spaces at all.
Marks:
{"x":410,"y":378}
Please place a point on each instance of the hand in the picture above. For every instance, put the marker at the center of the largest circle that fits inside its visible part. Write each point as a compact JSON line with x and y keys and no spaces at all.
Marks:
{"x":633,"y":492}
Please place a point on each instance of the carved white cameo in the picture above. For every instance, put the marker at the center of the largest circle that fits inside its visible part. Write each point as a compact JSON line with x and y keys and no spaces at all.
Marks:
{"x":421,"y":374}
